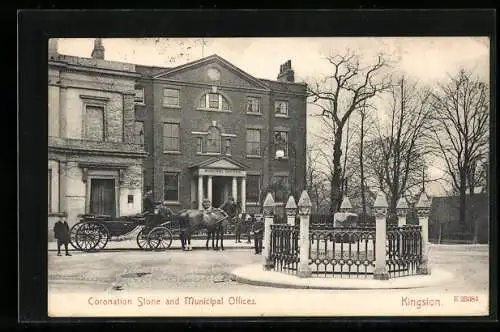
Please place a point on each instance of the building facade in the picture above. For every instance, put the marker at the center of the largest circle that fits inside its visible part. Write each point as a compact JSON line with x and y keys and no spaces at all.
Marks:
{"x":205,"y":129}
{"x":212,"y":131}
{"x":94,"y":165}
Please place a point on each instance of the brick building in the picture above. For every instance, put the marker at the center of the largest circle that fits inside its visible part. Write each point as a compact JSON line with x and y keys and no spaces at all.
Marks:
{"x":202,"y":129}
{"x":211,"y":129}
{"x":94,"y":165}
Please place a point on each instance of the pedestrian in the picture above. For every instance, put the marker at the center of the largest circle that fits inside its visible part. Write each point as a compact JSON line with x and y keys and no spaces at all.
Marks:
{"x":61,"y":233}
{"x":258,"y":234}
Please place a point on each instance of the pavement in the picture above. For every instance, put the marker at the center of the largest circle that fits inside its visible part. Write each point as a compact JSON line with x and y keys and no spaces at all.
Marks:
{"x":176,"y":245}
{"x":254,"y":274}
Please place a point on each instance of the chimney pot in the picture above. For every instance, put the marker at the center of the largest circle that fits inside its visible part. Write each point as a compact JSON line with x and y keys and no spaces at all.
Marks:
{"x":286,"y":72}
{"x":98,"y":51}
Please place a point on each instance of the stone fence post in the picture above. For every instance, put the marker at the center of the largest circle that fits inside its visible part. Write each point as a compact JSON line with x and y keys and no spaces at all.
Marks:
{"x":380,"y":206}
{"x":304,"y":205}
{"x":291,"y":211}
{"x":268,"y":209}
{"x":423,"y":210}
{"x":402,"y":211}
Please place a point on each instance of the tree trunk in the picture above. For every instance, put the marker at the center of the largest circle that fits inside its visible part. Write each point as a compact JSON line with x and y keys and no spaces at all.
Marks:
{"x":336,"y":184}
{"x":462,"y":204}
{"x":361,"y":166}
{"x":440,"y":232}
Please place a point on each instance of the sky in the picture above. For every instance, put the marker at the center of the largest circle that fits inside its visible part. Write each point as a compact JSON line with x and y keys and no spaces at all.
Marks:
{"x":425,"y":59}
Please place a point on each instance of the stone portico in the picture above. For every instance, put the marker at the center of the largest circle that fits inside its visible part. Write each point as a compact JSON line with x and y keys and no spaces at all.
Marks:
{"x":218,"y":179}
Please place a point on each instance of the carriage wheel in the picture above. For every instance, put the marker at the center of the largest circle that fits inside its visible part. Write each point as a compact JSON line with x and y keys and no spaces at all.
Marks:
{"x":91,"y":236}
{"x":160,"y":238}
{"x":142,"y":240}
{"x":72,"y":235}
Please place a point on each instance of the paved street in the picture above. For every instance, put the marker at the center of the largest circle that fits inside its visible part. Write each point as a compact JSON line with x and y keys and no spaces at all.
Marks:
{"x":201,"y":270}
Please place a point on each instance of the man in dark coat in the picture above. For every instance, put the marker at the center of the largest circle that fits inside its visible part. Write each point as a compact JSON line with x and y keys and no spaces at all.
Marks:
{"x":148,"y":207}
{"x":230,"y":207}
{"x":61,"y":233}
{"x":258,"y":233}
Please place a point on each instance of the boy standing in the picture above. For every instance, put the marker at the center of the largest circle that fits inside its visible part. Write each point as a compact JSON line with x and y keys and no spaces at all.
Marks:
{"x":258,"y":234}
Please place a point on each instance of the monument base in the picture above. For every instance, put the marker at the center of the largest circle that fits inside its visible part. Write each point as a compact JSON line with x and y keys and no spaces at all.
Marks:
{"x":304,"y":272}
{"x":424,"y":268}
{"x":380,"y":274}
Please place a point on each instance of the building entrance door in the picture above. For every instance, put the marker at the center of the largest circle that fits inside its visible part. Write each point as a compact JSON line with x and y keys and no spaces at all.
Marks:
{"x":102,"y":197}
{"x":219,"y":188}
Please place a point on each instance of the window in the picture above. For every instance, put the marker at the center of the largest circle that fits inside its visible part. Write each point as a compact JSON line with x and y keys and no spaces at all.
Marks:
{"x":170,"y":97}
{"x":199,"y":145}
{"x":50,"y":191}
{"x":281,"y":188}
{"x":214,"y":101}
{"x":253,"y":105}
{"x":139,"y":95}
{"x":171,"y":137}
{"x":281,"y":141}
{"x":94,"y":123}
{"x":213,"y":140}
{"x":171,"y":187}
{"x":253,"y":142}
{"x":253,"y":188}
{"x":227,"y":146}
{"x":139,"y":132}
{"x":281,"y":108}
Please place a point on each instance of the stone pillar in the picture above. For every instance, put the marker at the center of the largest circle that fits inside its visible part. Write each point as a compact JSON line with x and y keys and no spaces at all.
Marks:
{"x":128,"y":119}
{"x":346,"y":206}
{"x":380,"y":206}
{"x":200,"y":191}
{"x":192,"y":197}
{"x":235,"y":189}
{"x":291,"y":211}
{"x":423,"y":210}
{"x":268,"y":209}
{"x":304,"y":205}
{"x":63,"y":202}
{"x":243,"y":194}
{"x":402,"y":210}
{"x":209,"y":188}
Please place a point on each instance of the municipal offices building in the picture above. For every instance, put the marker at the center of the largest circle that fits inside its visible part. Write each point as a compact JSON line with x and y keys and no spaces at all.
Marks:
{"x":205,"y":129}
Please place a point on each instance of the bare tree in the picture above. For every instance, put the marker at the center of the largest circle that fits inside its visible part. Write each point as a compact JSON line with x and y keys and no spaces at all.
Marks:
{"x":350,"y":86}
{"x":398,"y":151}
{"x":461,"y":133}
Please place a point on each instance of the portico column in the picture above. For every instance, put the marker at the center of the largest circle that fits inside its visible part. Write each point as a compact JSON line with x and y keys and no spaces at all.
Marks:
{"x":200,"y":191}
{"x":209,"y":188}
{"x":235,"y":189}
{"x":243,"y":194}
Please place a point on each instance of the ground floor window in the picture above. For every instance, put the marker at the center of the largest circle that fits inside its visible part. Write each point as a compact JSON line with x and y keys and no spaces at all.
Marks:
{"x":171,"y":187}
{"x":253,"y":188}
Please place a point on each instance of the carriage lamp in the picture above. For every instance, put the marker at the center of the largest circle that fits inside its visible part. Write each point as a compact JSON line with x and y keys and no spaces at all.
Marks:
{"x":291,"y":207}
{"x":423,"y":205}
{"x":304,"y":204}
{"x":380,"y":206}
{"x":402,"y":207}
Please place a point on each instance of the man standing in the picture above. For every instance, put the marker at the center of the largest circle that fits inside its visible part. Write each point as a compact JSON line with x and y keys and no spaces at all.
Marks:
{"x":61,"y":233}
{"x":148,"y":207}
{"x":258,"y":234}
{"x":230,"y":207}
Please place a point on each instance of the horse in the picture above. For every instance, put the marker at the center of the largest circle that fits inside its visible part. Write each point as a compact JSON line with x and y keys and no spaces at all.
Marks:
{"x":191,"y":220}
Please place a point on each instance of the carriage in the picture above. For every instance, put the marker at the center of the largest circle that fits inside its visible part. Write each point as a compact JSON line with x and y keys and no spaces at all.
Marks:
{"x":93,"y":232}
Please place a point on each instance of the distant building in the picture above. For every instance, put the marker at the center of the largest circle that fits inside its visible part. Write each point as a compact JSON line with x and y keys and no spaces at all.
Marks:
{"x":444,"y":219}
{"x":94,"y":165}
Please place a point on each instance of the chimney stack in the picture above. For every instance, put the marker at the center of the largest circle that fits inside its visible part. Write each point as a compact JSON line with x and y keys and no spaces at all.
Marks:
{"x":98,"y":51}
{"x":53,"y":49}
{"x":286,"y":72}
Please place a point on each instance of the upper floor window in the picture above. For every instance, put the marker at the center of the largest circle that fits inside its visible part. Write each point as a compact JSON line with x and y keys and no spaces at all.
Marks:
{"x":139,"y":132}
{"x":253,"y":142}
{"x":94,"y":123}
{"x":281,"y":141}
{"x":214,"y":101}
{"x":281,"y":108}
{"x":253,"y":105}
{"x":170,"y":97}
{"x":213,"y":140}
{"x":139,"y":95}
{"x":171,"y":137}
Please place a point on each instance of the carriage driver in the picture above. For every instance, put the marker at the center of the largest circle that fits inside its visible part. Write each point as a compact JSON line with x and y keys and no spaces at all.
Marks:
{"x":230,"y":207}
{"x":149,"y":207}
